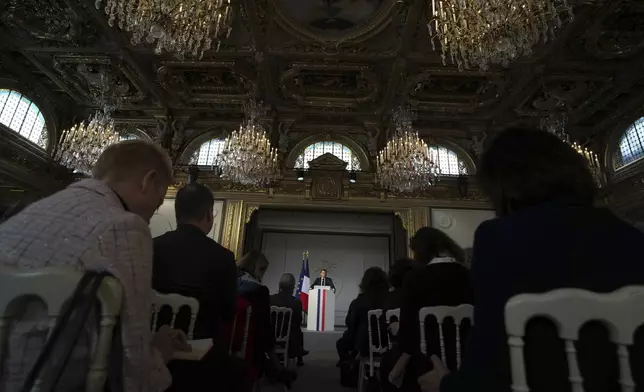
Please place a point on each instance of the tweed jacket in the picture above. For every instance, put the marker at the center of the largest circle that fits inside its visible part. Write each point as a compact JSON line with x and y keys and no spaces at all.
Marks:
{"x":84,"y":226}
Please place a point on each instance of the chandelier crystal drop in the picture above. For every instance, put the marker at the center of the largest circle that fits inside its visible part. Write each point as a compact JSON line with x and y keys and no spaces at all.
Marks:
{"x":183,"y":27}
{"x":478,"y":33}
{"x":405,"y":165}
{"x":81,"y":145}
{"x":247,"y":157}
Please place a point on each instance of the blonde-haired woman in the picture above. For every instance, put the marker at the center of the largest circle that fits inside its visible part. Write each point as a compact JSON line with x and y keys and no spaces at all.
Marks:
{"x":252,"y":268}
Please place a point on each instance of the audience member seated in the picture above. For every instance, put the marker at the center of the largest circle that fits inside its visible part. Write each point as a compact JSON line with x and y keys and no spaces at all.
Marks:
{"x":397,"y":273}
{"x":374,"y":287}
{"x":441,"y":281}
{"x":252,"y":268}
{"x":99,"y":223}
{"x":188,"y":262}
{"x":548,"y":235}
{"x":284,"y":298}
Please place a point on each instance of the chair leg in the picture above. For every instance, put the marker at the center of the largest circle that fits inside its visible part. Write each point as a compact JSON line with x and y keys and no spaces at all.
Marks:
{"x":361,"y":377}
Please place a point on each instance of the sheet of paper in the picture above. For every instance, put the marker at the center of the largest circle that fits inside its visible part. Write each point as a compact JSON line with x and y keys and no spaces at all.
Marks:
{"x":199,"y":348}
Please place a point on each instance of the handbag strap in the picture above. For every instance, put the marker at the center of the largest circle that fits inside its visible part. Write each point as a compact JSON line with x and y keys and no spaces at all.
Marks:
{"x":79,"y":306}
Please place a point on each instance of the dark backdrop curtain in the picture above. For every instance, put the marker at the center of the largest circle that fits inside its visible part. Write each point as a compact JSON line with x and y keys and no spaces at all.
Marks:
{"x":400,"y":238}
{"x":252,"y":234}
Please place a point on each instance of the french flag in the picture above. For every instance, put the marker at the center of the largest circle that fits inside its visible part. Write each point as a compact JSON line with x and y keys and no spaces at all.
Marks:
{"x":305,"y":282}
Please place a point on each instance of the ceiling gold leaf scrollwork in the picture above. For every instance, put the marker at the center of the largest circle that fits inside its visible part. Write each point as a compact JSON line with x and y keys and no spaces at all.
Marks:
{"x":338,"y":69}
{"x":325,"y":85}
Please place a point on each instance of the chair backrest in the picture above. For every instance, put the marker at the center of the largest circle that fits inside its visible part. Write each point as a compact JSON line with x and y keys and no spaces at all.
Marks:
{"x":175,"y":302}
{"x":240,"y":330}
{"x":457,"y":313}
{"x":55,"y":286}
{"x":570,"y":309}
{"x":377,"y":343}
{"x":281,"y":320}
{"x":393,"y":315}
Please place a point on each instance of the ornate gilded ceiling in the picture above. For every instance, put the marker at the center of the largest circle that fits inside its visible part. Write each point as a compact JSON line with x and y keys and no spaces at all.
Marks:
{"x":332,"y":67}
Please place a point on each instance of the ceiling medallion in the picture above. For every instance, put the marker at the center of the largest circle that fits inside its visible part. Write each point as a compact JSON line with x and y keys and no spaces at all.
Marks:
{"x":478,"y":33}
{"x":81,"y":145}
{"x":404,"y":165}
{"x":183,"y":27}
{"x":247,"y":157}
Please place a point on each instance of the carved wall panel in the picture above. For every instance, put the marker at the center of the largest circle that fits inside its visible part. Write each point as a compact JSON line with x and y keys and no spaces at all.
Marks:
{"x":562,"y":93}
{"x":204,"y":82}
{"x":620,"y":34}
{"x":49,"y":21}
{"x":323,"y":85}
{"x":98,"y":76}
{"x":443,"y":89}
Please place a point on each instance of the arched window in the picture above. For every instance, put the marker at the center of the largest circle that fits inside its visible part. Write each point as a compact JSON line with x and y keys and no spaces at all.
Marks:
{"x":23,"y":116}
{"x":207,"y":153}
{"x":631,"y":145}
{"x":128,"y":136}
{"x":338,"y":149}
{"x":447,"y":161}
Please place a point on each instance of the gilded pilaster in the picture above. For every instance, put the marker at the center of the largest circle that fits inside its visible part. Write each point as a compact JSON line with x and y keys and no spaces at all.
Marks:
{"x":233,"y":226}
{"x":413,"y":219}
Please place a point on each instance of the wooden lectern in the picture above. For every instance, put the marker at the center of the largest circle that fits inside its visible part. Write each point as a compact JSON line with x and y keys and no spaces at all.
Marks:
{"x":321,"y":315}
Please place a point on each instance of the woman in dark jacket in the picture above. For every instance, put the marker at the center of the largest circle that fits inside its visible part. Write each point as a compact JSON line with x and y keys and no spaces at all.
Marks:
{"x":443,"y":280}
{"x":548,"y":235}
{"x":252,"y":268}
{"x":373,"y":291}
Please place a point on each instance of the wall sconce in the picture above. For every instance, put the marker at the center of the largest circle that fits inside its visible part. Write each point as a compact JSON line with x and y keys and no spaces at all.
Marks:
{"x":353,"y":176}
{"x":300,"y":175}
{"x":193,"y":174}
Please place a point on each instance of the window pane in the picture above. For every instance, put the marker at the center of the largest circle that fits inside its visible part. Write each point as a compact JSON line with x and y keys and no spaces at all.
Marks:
{"x":10,"y":108}
{"x":447,"y":161}
{"x":631,"y":145}
{"x":208,"y":153}
{"x":320,"y":148}
{"x":128,"y":136}
{"x":23,"y":116}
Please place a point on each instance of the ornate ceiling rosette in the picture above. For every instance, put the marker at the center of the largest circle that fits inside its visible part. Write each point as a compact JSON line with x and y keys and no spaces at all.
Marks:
{"x":48,"y":21}
{"x":203,"y":83}
{"x":441,"y":89}
{"x":328,"y":85}
{"x":334,"y":21}
{"x":96,"y":75}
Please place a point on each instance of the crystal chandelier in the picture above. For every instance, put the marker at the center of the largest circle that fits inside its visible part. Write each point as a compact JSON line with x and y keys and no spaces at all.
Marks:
{"x":404,"y":165}
{"x":178,"y":26}
{"x":555,"y":123}
{"x":477,"y":33}
{"x":247,"y":157}
{"x":81,"y":145}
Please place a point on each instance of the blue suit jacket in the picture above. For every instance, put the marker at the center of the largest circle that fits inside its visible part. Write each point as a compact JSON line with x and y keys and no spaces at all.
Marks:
{"x":537,"y":250}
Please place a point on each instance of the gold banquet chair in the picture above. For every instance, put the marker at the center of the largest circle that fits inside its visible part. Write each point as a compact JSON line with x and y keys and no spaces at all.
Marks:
{"x":54,"y":286}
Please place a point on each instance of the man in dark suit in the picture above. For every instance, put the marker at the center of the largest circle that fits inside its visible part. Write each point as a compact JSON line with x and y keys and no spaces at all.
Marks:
{"x":323,"y":281}
{"x":284,"y":299}
{"x":188,"y":262}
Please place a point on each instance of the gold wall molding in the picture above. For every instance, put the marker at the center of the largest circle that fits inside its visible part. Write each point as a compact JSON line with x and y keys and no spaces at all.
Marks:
{"x":233,"y":226}
{"x":413,"y":219}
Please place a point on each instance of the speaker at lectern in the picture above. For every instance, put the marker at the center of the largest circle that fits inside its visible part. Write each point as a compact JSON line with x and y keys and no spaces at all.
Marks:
{"x":321,"y":314}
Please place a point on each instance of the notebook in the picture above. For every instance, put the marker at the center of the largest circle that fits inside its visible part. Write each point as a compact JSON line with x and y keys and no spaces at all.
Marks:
{"x":199,"y":348}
